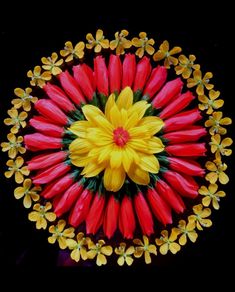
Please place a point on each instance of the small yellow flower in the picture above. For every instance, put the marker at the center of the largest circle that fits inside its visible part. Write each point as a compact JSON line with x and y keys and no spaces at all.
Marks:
{"x":168,"y":243}
{"x":143,"y":44}
{"x":200,"y":82}
{"x":210,"y":103}
{"x":78,"y":247}
{"x":40,"y":215}
{"x":120,"y":43}
{"x":186,"y":231}
{"x":38,"y":79}
{"x":29,"y":194}
{"x":60,"y":234}
{"x":200,"y":217}
{"x":24,"y":99}
{"x":98,"y":42}
{"x":51,"y":64}
{"x":215,"y":121}
{"x":186,"y":66}
{"x":100,"y":251}
{"x":144,"y":248}
{"x":16,"y":120}
{"x":211,"y":195}
{"x":15,"y":167}
{"x":217,"y":169}
{"x":164,"y":52}
{"x":125,"y":256}
{"x":219,"y":147}
{"x":13,"y":146}
{"x":71,"y":52}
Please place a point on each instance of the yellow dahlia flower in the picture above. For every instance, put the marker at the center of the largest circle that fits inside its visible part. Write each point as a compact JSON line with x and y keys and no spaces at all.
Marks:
{"x":119,"y":141}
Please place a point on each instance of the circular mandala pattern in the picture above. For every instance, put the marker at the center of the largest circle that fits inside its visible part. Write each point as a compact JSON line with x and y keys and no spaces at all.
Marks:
{"x":115,"y":154}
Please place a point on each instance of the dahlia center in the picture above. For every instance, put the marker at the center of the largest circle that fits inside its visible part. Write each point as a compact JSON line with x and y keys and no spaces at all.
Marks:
{"x":120,"y":136}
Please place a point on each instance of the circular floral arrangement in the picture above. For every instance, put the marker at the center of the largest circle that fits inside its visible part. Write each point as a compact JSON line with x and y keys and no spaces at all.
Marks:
{"x":115,"y":154}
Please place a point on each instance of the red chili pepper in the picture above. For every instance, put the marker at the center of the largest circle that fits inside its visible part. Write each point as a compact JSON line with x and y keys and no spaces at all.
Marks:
{"x":58,"y":187}
{"x":83,"y":81}
{"x":180,"y":103}
{"x":126,"y":218}
{"x":144,"y":214}
{"x":192,"y":134}
{"x":187,"y":150}
{"x":186,"y":166}
{"x":170,"y":196}
{"x":42,"y":125}
{"x":96,"y":214}
{"x":51,"y":173}
{"x":81,"y":208}
{"x":59,"y":97}
{"x":183,"y":184}
{"x":182,"y":120}
{"x":37,"y":141}
{"x":128,"y":70}
{"x":101,"y":75}
{"x":111,"y":217}
{"x":90,"y":74}
{"x":159,"y":207}
{"x":115,"y":74}
{"x":68,"y":199}
{"x":45,"y":160}
{"x":167,"y":93}
{"x":143,"y":71}
{"x":51,"y":111}
{"x":71,"y":87}
{"x":156,"y":81}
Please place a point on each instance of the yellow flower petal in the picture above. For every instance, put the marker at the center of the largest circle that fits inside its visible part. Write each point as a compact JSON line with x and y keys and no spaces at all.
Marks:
{"x":125,"y":98}
{"x":114,"y":178}
{"x":149,"y":163}
{"x":138,"y":175}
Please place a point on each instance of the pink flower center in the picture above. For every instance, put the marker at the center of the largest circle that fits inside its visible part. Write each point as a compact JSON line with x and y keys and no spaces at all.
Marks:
{"x":120,"y":136}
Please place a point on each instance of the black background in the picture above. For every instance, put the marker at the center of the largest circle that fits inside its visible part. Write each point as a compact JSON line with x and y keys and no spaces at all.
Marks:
{"x":204,"y":34}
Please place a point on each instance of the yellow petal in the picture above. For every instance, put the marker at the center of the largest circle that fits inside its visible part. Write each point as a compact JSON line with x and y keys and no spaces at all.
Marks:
{"x":62,"y":242}
{"x":92,"y":169}
{"x":109,"y":104}
{"x":175,"y":50}
{"x":226,"y":142}
{"x":149,"y":163}
{"x":137,"y":42}
{"x":164,"y":46}
{"x":101,"y":260}
{"x":129,"y":261}
{"x":115,"y":116}
{"x":147,"y":257}
{"x":211,"y":166}
{"x":138,"y":175}
{"x":120,"y":261}
{"x":150,"y":50}
{"x":203,"y":190}
{"x":19,"y":192}
{"x":125,"y":98}
{"x":159,"y":55}
{"x":153,"y":124}
{"x":183,"y":239}
{"x":107,"y":250}
{"x":114,"y":178}
{"x":174,"y":247}
{"x":164,"y":248}
{"x":99,"y":34}
{"x":116,"y":158}
{"x":139,"y":108}
{"x":223,"y":178}
{"x":27,"y":201}
{"x":213,"y":188}
{"x":193,"y":236}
